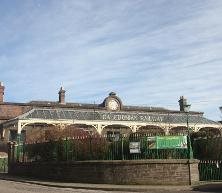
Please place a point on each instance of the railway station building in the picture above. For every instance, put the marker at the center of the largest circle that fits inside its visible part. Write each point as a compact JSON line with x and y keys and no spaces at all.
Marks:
{"x":34,"y":120}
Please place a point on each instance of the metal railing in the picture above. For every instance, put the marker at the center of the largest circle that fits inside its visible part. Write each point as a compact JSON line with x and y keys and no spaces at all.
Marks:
{"x":209,"y":151}
{"x":3,"y":165}
{"x":95,"y":148}
{"x":210,"y":170}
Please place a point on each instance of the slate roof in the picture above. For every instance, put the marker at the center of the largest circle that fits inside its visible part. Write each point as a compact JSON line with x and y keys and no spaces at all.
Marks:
{"x":93,"y":106}
{"x":67,"y":114}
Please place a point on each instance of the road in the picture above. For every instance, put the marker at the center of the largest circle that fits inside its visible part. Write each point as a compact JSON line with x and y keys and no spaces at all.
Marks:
{"x":20,"y":187}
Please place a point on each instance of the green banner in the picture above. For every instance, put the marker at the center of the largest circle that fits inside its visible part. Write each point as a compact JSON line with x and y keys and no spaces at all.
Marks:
{"x":167,"y":142}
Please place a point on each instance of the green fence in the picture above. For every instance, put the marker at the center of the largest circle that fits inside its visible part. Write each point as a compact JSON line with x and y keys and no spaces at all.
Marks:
{"x":112,"y":147}
{"x":208,"y":148}
{"x":209,"y":152}
{"x":210,"y":170}
{"x":3,"y":165}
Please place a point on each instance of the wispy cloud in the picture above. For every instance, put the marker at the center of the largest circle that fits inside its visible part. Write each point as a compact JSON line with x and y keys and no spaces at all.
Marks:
{"x":149,"y":52}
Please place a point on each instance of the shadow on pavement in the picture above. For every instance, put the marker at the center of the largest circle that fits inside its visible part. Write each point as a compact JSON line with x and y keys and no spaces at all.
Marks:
{"x":214,"y":187}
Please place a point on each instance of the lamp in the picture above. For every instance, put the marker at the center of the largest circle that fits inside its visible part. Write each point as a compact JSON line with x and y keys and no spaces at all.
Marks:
{"x":190,"y":150}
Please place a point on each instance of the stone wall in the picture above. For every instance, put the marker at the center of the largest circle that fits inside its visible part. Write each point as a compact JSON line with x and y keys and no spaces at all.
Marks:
{"x":150,"y":172}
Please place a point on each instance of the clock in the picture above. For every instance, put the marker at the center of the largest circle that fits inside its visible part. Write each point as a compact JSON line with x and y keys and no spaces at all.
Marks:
{"x":113,"y":104}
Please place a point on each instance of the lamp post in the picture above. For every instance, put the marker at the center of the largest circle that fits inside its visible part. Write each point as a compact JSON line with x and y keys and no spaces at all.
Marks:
{"x":190,"y":150}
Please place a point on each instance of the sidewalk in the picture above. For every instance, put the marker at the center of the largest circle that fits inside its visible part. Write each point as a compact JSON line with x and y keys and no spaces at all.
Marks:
{"x":203,"y":186}
{"x":209,"y":186}
{"x":105,"y":187}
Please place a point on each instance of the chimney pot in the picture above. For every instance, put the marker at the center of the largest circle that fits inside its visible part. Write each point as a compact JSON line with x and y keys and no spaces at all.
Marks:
{"x":62,"y":96}
{"x":182,"y":103}
{"x":2,"y":89}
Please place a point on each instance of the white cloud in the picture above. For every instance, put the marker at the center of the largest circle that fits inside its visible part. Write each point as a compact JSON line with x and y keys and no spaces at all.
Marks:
{"x":149,"y":52}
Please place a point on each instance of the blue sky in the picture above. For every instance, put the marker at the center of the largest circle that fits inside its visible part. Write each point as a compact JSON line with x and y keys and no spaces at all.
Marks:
{"x":148,"y":52}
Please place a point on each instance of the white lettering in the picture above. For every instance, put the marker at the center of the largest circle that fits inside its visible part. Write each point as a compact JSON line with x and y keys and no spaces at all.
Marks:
{"x":135,"y":117}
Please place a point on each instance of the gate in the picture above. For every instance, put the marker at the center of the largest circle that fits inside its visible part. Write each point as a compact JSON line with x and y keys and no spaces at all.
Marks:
{"x":210,"y":170}
{"x":209,"y":151}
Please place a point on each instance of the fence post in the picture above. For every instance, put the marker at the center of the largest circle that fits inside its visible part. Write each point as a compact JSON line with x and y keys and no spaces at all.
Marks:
{"x":66,"y":148}
{"x":90,"y":147}
{"x":23,"y":152}
{"x":10,"y":151}
{"x":18,"y":152}
{"x":11,"y":154}
{"x":122,"y":146}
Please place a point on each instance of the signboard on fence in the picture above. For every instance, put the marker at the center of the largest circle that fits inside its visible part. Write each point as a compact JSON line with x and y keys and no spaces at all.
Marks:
{"x":134,"y":147}
{"x":167,"y":142}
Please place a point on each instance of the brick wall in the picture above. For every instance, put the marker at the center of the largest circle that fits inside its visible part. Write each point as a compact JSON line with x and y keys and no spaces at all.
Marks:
{"x":9,"y":111}
{"x":151,"y":172}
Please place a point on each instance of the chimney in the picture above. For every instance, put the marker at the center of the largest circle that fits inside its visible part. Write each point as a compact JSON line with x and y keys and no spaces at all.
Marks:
{"x":182,"y":103}
{"x":62,"y":96}
{"x":2,"y":88}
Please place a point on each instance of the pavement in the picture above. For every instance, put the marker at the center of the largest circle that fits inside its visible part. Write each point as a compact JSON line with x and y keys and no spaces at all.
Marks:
{"x":209,"y":186}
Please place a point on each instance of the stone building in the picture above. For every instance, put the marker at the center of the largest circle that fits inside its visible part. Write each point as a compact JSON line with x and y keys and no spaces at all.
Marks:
{"x":36,"y":118}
